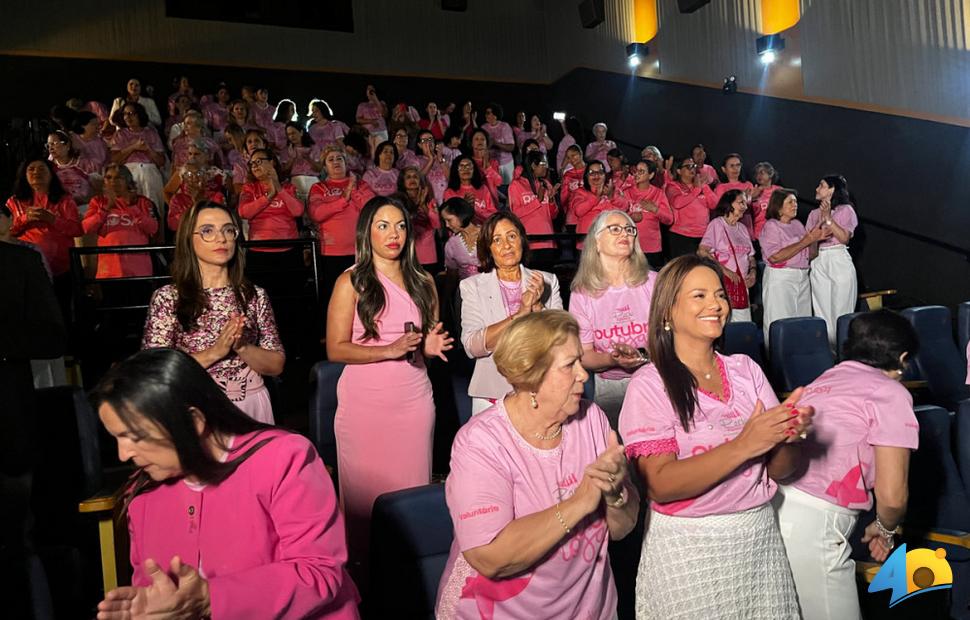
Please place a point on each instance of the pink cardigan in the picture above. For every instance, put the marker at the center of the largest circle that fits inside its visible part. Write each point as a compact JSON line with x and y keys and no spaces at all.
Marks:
{"x":269,"y":539}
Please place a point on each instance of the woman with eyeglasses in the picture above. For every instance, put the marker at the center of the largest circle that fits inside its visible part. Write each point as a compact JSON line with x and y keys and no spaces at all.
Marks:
{"x":465,"y":181}
{"x":503,"y":292}
{"x":532,"y":199}
{"x":785,"y":246}
{"x":595,"y":196}
{"x":272,"y":209}
{"x":74,"y":170}
{"x":611,"y":302}
{"x":215,"y":314}
{"x":726,"y":240}
{"x":193,"y":187}
{"x":648,"y":208}
{"x":690,"y":199}
{"x":120,"y":216}
{"x":334,"y":205}
{"x":382,"y":176}
{"x":138,"y":147}
{"x":662,"y":177}
{"x":433,"y":164}
{"x":405,"y":156}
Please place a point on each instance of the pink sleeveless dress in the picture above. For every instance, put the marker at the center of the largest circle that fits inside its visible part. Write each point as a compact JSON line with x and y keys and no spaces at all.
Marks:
{"x":384,"y":423}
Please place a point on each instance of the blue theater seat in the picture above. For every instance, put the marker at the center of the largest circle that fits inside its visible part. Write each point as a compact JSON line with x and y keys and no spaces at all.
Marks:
{"x":799,"y":351}
{"x":323,"y":409}
{"x":744,"y":337}
{"x":842,"y":331}
{"x":939,"y":362}
{"x":963,"y":325}
{"x":411,"y":534}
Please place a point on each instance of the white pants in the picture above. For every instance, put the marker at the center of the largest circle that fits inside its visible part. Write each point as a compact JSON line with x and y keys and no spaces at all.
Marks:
{"x":816,"y":535}
{"x":834,"y":287}
{"x":741,"y":314}
{"x":787,"y":294}
{"x":149,"y":181}
{"x":609,"y":397}
{"x":507,"y":170}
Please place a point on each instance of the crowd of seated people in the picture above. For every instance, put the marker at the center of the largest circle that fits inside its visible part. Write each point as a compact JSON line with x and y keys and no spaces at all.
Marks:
{"x":540,"y":479}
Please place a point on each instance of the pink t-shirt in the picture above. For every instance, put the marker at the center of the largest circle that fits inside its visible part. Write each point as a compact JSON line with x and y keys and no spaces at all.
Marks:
{"x":588,"y":206}
{"x":843,"y":215}
{"x":598,"y":150}
{"x":335,"y":215}
{"x":707,"y":173}
{"x":496,"y":477}
{"x":327,"y":132}
{"x":302,"y":157}
{"x":620,"y":314}
{"x":721,"y":236}
{"x":572,"y":180}
{"x":776,"y":236}
{"x":126,"y":137}
{"x":691,"y":208}
{"x":121,"y":223}
{"x":536,"y":215}
{"x":758,"y":209}
{"x":650,"y":425}
{"x":94,"y":150}
{"x":484,"y":205}
{"x":564,"y":144}
{"x":383,"y":182}
{"x":500,"y":132}
{"x":270,"y":219}
{"x":511,"y":295}
{"x":460,"y":258}
{"x":74,"y":178}
{"x":856,"y":407}
{"x":374,"y":115}
{"x":648,"y":229}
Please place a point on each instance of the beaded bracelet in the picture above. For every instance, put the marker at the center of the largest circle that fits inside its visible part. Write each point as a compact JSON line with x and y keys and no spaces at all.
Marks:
{"x":562,"y":521}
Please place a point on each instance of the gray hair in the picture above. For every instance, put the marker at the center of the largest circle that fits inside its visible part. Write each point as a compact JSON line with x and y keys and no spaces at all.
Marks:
{"x":605,"y":128}
{"x":653,"y":150}
{"x":590,"y":278}
{"x":767,"y":167}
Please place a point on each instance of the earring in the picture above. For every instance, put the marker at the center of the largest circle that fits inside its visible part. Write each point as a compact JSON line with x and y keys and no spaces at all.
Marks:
{"x":535,"y":404}
{"x":666,"y":326}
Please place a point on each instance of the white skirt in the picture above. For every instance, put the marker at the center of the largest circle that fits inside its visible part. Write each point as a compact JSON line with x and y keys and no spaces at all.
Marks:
{"x":834,"y":286}
{"x":787,"y":294}
{"x":149,"y":181}
{"x":716,"y":567}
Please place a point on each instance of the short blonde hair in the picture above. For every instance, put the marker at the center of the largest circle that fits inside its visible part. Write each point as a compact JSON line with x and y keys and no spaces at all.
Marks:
{"x":523,"y":353}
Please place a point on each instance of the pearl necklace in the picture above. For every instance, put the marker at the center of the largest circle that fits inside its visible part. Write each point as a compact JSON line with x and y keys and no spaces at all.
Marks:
{"x":550,"y":436}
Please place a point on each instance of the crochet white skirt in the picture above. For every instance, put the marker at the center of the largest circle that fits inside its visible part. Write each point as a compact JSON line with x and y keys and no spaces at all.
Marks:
{"x":717,"y":567}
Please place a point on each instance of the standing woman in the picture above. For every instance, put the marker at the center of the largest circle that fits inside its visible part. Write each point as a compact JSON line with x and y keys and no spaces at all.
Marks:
{"x":216,"y":112}
{"x":649,"y":208}
{"x":834,"y":286}
{"x":726,"y":240}
{"x":46,"y":215}
{"x":572,"y":180}
{"x":860,"y":447}
{"x":334,"y":205}
{"x":709,"y":439}
{"x":121,"y":217}
{"x":536,"y":130}
{"x":502,"y":141}
{"x":481,"y":151}
{"x":323,"y":128}
{"x":405,"y":156}
{"x":492,"y":300}
{"x":465,"y":181}
{"x":303,"y":165}
{"x":382,"y":322}
{"x":572,"y":136}
{"x":652,"y":153}
{"x":785,"y":246}
{"x":532,"y":199}
{"x":86,"y":137}
{"x":213,"y":313}
{"x":595,"y":196}
{"x":765,"y":177}
{"x":192,"y":133}
{"x":372,"y":114}
{"x":433,"y":164}
{"x":435,"y":122}
{"x":600,"y":147}
{"x":461,"y":249}
{"x":705,"y":171}
{"x":133,"y":95}
{"x":416,"y":196}
{"x":74,"y":170}
{"x":611,"y":302}
{"x":139,"y":148}
{"x":689,"y":198}
{"x":382,"y":177}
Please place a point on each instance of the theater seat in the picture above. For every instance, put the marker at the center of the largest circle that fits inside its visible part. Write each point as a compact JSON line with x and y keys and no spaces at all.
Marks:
{"x":799,"y":351}
{"x":323,"y":409}
{"x":842,"y":331}
{"x":963,"y":325}
{"x":961,"y":442}
{"x":939,"y":361}
{"x":411,"y":534}
{"x":744,"y":337}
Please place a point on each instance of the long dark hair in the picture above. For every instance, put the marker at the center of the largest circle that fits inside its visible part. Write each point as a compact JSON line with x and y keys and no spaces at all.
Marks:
{"x":192,"y":298}
{"x":841,"y":194}
{"x":305,"y":139}
{"x":532,"y":159}
{"x":454,"y":181}
{"x":169,"y":389}
{"x":23,"y":191}
{"x":679,"y":382}
{"x":420,"y":219}
{"x":370,"y":293}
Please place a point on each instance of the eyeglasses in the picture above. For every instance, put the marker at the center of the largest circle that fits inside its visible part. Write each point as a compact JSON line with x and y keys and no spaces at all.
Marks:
{"x":543,"y":164}
{"x":466,"y":165}
{"x":50,"y":145}
{"x":129,"y":113}
{"x":253,"y":163}
{"x":688,"y":166}
{"x":597,"y":173}
{"x":209,"y":233}
{"x":425,"y":140}
{"x":616,"y":229}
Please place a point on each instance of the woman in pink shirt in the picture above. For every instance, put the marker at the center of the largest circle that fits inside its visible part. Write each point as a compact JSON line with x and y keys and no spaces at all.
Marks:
{"x":726,"y":240}
{"x":709,"y":439}
{"x":121,"y":217}
{"x":334,"y":205}
{"x":572,"y":180}
{"x":611,"y":301}
{"x":595,"y":196}
{"x":690,"y":200}
{"x":538,"y":488}
{"x":435,"y":122}
{"x":372,"y":114}
{"x":663,"y":176}
{"x":648,"y":208}
{"x":405,"y":156}
{"x":502,"y":141}
{"x":433,"y":164}
{"x":72,"y":169}
{"x":572,"y":135}
{"x":481,"y":152}
{"x":303,"y":164}
{"x":217,"y":112}
{"x":323,"y":128}
{"x":88,"y":140}
{"x":536,"y":131}
{"x":785,"y":246}
{"x":272,"y":209}
{"x":764,"y":177}
{"x":382,"y":323}
{"x":600,"y":147}
{"x":461,"y":249}
{"x":262,"y":536}
{"x":192,"y":133}
{"x":138,"y":147}
{"x":865,"y":430}
{"x":532,"y":199}
{"x":705,"y":171}
{"x":465,"y":181}
{"x":620,"y":175}
{"x":833,"y":277}
{"x":416,"y":196}
{"x":382,"y":176}
{"x":240,"y":114}
{"x":193,"y":188}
